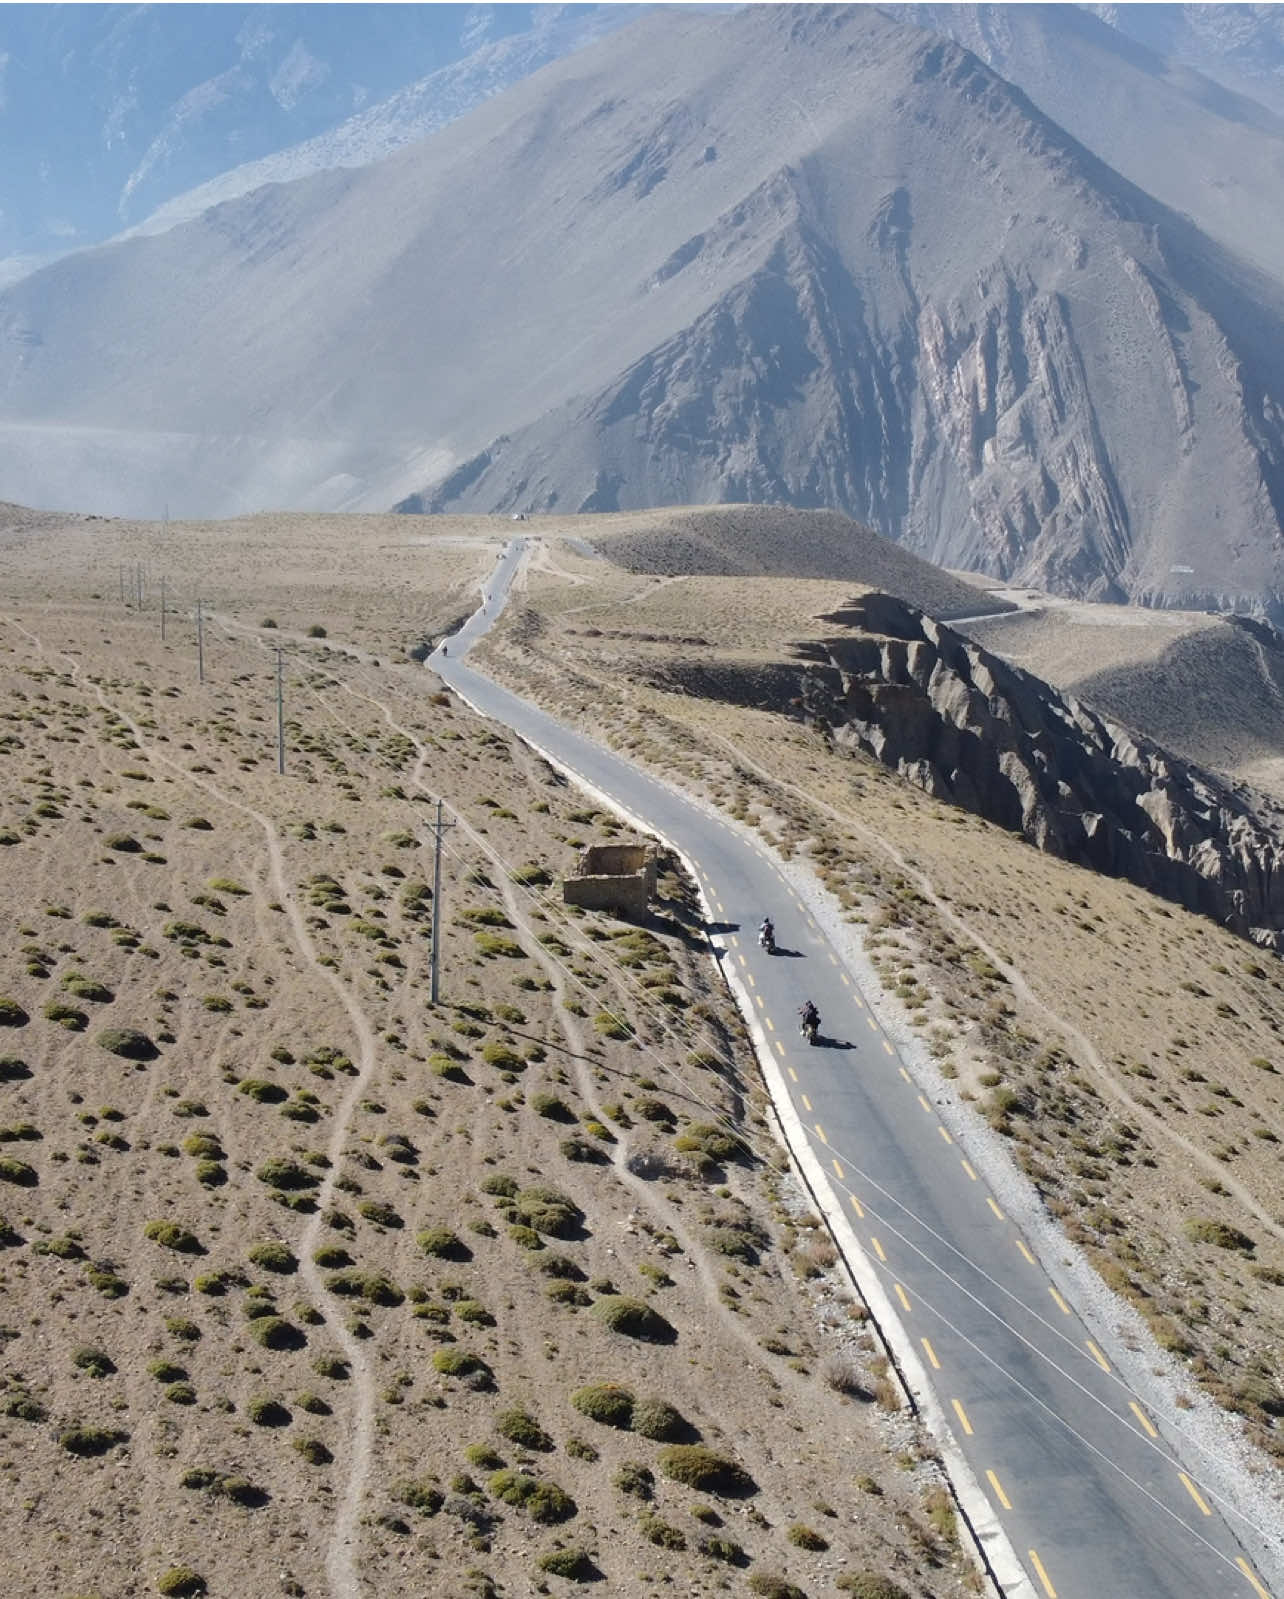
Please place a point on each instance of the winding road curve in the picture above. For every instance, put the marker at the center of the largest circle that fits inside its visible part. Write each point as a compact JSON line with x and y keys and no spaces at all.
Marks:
{"x":1073,"y":1490}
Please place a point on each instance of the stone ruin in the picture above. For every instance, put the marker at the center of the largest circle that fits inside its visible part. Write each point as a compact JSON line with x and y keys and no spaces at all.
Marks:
{"x":617,"y":877}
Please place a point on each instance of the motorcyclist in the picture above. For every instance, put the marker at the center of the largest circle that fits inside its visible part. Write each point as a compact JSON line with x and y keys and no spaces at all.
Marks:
{"x":767,"y":933}
{"x":809,"y":1018}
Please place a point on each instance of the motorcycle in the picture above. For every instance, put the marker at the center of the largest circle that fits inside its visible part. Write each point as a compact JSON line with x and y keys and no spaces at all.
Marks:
{"x":767,"y":939}
{"x":809,"y":1025}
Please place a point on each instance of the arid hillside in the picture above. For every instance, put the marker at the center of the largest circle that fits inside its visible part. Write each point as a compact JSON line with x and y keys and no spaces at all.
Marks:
{"x":1128,"y":1052}
{"x":308,"y":1284}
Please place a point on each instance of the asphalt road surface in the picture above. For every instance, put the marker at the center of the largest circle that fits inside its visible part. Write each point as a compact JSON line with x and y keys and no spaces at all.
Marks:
{"x":1086,"y":1495}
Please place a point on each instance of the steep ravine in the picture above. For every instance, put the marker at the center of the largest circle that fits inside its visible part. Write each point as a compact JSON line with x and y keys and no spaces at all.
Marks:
{"x":976,"y":732}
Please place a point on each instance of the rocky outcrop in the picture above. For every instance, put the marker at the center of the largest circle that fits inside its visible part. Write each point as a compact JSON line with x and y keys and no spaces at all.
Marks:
{"x":968,"y":728}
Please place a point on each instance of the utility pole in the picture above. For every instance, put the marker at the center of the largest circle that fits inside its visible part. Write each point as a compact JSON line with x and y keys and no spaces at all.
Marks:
{"x":122,"y":585}
{"x":200,"y":641}
{"x":280,"y":716}
{"x":162,"y":610}
{"x":439,"y":827}
{"x":138,"y":579}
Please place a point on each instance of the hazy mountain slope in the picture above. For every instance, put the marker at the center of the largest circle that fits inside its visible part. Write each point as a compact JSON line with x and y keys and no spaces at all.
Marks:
{"x":1134,"y":108}
{"x":811,"y":255}
{"x":108,"y":111}
{"x":413,"y":112}
{"x":1241,"y":46}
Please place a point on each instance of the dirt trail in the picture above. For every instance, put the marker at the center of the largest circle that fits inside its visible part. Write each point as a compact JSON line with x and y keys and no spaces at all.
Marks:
{"x":341,"y":1566}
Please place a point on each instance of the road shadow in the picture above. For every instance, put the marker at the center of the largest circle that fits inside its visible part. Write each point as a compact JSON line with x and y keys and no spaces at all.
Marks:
{"x":787,"y":954}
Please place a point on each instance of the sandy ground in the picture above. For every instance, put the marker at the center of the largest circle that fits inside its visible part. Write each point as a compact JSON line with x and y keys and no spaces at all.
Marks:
{"x":270,"y":1270}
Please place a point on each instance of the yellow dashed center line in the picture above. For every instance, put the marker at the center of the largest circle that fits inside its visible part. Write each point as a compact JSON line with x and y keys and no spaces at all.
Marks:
{"x":1143,"y":1418}
{"x":838,"y":1171}
{"x":888,"y":1047}
{"x":856,"y":1206}
{"x":1059,"y":1302}
{"x":878,"y":1248}
{"x":1194,"y":1493}
{"x":859,"y":1001}
{"x":931,"y":1355}
{"x":717,"y":905}
{"x":873,"y":1024}
{"x":1249,"y":1573}
{"x":994,"y":1205}
{"x":1023,"y":1247}
{"x":968,"y":1169}
{"x":922,"y":1099}
{"x":749,"y":980}
{"x":833,"y":959}
{"x":758,"y":999}
{"x":820,"y":1133}
{"x":998,"y":1491}
{"x":1097,"y":1355}
{"x":905,"y":1074}
{"x":1042,"y":1575}
{"x":742,"y":960}
{"x":944,"y":1132}
{"x":806,"y":1103}
{"x":962,"y":1415}
{"x":846,"y":979}
{"x":902,"y":1296}
{"x":793,"y":1074}
{"x":771,"y":1026}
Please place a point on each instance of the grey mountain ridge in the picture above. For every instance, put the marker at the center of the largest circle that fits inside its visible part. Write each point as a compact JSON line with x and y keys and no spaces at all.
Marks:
{"x":812,"y":255}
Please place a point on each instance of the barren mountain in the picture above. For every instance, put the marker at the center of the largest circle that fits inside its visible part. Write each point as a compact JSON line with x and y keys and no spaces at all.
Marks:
{"x":810,"y":255}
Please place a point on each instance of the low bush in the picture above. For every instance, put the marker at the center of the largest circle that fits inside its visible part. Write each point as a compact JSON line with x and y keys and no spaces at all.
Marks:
{"x":608,"y":1403}
{"x":455,"y":1362}
{"x":276,"y":1257}
{"x":443,"y":1244}
{"x":171,"y":1236}
{"x":86,"y":1441}
{"x":17,"y":1172}
{"x":549,"y":1212}
{"x":657,"y":1419}
{"x":274,"y":1332}
{"x":421,"y":1494}
{"x":127,"y":1042}
{"x":268,"y":1413}
{"x":697,"y":1467}
{"x":520,"y":1427}
{"x":12,"y":1014}
{"x":805,"y":1537}
{"x":1200,"y":1230}
{"x":261,"y":1091}
{"x":537,"y":1497}
{"x":636,"y":1479}
{"x":573,"y":1564}
{"x":770,"y":1585}
{"x":869,"y":1585}
{"x":180,"y":1582}
{"x":633,"y":1318}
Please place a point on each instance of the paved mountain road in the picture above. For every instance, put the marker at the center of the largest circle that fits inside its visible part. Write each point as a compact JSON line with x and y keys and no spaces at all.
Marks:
{"x":1076,"y":1491}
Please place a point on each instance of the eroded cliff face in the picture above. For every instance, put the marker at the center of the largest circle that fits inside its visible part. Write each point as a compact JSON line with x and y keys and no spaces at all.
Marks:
{"x":968,"y":728}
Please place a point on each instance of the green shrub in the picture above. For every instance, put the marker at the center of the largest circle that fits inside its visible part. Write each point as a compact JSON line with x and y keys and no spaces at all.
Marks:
{"x":86,"y":1441}
{"x":12,"y":1014}
{"x":373,"y":1287}
{"x":573,"y":1564}
{"x":275,"y":1257}
{"x":502,"y":1058}
{"x":551,"y":1106}
{"x":172,"y":1236}
{"x":579,"y":1450}
{"x":500,"y":1185}
{"x":97,"y":1362}
{"x":381,"y":1215}
{"x":726,"y":1550}
{"x":128,"y":1043}
{"x":443,"y":1244}
{"x":607,"y":1403}
{"x":204,"y":1146}
{"x":421,"y":1494}
{"x":313,"y":1451}
{"x":524,"y":1236}
{"x":274,"y":1332}
{"x":181,"y":1393}
{"x":166,"y":1371}
{"x":85,"y":988}
{"x":20,"y":1405}
{"x":605,"y":1025}
{"x":75,"y":1021}
{"x":636,"y":1479}
{"x":520,"y":1427}
{"x":316,"y":631}
{"x":180,"y":1582}
{"x":331,"y":1257}
{"x":697,"y":1467}
{"x":655,"y":1418}
{"x":17,"y":1172}
{"x":261,"y":1091}
{"x":285,"y":1174}
{"x":633,"y":1318}
{"x":455,"y":1362}
{"x":658,"y":1531}
{"x":540,"y":1499}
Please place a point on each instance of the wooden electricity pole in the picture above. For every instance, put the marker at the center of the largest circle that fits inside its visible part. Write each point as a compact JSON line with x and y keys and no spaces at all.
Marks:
{"x":439,"y":827}
{"x":200,"y":641}
{"x":280,"y":716}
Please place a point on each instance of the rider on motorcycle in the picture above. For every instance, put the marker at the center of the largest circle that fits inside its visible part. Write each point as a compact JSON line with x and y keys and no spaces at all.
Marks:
{"x":767,"y":933}
{"x":810,"y":1018}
